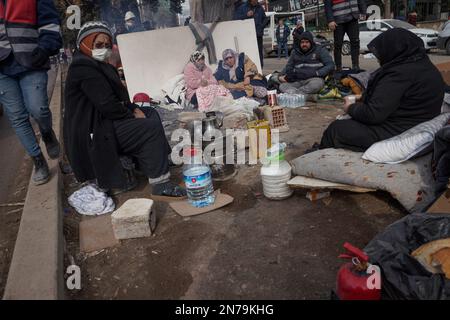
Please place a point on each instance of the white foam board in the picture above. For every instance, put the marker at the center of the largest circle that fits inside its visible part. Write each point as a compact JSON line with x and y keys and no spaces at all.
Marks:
{"x":151,"y":58}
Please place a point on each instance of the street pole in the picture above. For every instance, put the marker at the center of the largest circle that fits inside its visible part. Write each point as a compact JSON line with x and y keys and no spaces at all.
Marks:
{"x":318,"y":12}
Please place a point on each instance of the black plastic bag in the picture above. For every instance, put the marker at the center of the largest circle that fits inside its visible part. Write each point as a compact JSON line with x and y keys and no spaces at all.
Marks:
{"x":403,"y":277}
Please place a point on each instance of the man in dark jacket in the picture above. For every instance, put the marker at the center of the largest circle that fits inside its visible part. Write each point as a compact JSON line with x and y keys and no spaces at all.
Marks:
{"x":342,"y":17}
{"x":101,"y":124}
{"x":29,"y":35}
{"x":307,"y":67}
{"x":282,"y":35}
{"x":298,"y":30}
{"x":253,"y":10}
{"x":405,"y":91}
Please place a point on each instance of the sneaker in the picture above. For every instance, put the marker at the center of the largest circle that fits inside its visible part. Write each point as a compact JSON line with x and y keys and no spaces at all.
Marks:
{"x":41,"y":172}
{"x":51,"y":143}
{"x":330,"y":94}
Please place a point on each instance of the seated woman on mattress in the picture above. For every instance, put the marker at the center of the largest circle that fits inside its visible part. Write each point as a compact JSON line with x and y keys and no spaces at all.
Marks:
{"x":405,"y":91}
{"x":239,"y":74}
{"x":201,"y":86}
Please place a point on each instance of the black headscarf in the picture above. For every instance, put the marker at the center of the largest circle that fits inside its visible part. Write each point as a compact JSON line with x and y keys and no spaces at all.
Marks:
{"x":397,"y":46}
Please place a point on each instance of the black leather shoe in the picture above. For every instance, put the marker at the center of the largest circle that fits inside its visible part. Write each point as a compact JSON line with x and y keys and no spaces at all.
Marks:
{"x":168,"y":189}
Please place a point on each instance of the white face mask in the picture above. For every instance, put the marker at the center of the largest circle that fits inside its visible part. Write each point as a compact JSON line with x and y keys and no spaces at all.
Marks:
{"x":101,"y":54}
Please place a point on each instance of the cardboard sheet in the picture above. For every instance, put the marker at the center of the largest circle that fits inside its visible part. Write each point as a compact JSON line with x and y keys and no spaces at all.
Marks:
{"x":151,"y":58}
{"x":96,"y":234}
{"x":183,"y":208}
{"x":312,"y":183}
{"x":442,"y":204}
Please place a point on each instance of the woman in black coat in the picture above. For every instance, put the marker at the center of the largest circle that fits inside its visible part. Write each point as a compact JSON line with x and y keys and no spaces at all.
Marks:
{"x":405,"y":91}
{"x":101,"y":124}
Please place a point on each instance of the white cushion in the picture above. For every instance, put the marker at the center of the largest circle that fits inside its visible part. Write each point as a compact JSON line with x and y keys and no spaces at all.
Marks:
{"x":408,"y":144}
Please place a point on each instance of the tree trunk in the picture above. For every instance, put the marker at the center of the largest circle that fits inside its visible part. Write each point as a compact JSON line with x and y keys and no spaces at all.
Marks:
{"x":205,"y":11}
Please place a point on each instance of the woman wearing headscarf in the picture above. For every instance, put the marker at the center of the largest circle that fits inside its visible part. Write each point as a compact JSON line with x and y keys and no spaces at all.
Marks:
{"x":201,"y":85}
{"x":405,"y":91}
{"x":100,"y":122}
{"x":239,"y":74}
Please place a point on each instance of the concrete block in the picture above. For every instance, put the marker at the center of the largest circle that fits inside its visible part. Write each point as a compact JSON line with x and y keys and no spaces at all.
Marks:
{"x":133,"y":219}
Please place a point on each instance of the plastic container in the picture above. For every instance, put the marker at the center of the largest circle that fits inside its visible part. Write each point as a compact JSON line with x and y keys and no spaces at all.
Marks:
{"x":276,"y":173}
{"x":272,"y":98}
{"x":291,"y":100}
{"x":198,"y":180}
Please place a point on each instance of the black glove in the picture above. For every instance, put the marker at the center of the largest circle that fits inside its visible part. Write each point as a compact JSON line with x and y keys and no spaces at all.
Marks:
{"x":39,"y":57}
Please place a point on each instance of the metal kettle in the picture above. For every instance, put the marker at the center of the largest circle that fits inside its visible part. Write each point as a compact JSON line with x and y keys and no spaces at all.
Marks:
{"x":212,"y":121}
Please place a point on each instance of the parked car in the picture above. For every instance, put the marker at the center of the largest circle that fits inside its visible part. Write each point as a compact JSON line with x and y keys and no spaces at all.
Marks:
{"x":367,"y":33}
{"x":443,"y":41}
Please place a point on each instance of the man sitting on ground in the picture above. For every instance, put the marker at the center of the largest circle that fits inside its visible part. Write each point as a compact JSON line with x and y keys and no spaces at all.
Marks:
{"x":307,"y":67}
{"x":405,"y":91}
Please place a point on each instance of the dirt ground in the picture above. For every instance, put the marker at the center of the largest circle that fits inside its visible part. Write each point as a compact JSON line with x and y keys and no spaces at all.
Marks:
{"x":252,"y":249}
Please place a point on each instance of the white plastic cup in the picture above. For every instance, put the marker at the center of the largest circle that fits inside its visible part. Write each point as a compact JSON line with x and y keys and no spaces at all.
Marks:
{"x":351,"y":99}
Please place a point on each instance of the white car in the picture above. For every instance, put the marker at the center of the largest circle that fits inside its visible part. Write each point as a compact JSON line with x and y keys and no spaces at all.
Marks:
{"x":368,"y":30}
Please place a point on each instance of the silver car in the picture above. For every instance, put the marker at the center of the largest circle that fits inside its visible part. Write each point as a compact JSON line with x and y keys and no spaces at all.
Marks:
{"x":369,"y":30}
{"x":443,"y":41}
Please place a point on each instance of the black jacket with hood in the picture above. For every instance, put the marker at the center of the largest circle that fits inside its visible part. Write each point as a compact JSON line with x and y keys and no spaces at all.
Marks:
{"x":406,"y":90}
{"x":316,"y":62}
{"x":94,"y":98}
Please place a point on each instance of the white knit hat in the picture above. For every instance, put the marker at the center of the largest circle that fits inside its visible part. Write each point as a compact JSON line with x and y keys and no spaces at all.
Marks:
{"x":90,"y":28}
{"x":129,"y":15}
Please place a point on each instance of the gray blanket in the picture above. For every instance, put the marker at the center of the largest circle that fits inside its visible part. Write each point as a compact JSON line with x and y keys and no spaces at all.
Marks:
{"x":410,"y":182}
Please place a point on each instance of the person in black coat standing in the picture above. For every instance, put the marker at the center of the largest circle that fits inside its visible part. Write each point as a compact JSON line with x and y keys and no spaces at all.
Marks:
{"x":101,"y":124}
{"x":405,"y":91}
{"x":342,"y":17}
{"x":253,"y":10}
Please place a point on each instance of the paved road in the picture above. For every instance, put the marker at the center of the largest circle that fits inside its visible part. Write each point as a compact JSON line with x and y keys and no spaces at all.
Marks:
{"x":12,"y":153}
{"x":272,"y":64}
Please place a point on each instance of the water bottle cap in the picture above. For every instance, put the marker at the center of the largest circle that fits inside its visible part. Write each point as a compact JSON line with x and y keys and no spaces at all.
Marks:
{"x":190,"y":152}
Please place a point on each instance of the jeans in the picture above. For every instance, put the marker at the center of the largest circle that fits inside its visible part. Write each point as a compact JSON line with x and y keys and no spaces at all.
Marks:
{"x":309,"y":86}
{"x":22,"y":96}
{"x":282,"y":46}
{"x":350,"y":28}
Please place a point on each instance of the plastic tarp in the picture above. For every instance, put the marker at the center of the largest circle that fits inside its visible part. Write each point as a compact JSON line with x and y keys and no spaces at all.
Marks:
{"x":403,"y":277}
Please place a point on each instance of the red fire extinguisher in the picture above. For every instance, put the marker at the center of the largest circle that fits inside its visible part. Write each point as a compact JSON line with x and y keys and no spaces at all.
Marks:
{"x":353,"y":278}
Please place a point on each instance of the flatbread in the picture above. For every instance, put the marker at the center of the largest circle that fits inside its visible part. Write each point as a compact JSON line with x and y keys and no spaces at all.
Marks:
{"x":442,"y":258}
{"x":425,"y":254}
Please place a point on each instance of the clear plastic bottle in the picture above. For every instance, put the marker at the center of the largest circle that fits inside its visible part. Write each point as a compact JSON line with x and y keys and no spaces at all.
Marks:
{"x":198,"y":180}
{"x":301,"y":100}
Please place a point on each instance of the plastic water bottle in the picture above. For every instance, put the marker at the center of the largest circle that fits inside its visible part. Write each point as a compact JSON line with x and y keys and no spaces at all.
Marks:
{"x":198,"y":180}
{"x":302,"y":100}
